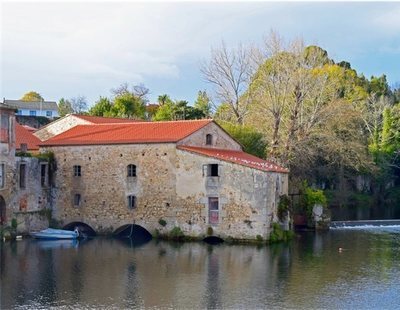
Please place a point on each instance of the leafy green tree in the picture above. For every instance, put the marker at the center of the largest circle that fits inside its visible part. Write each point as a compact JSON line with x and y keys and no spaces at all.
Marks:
{"x":32,"y":96}
{"x":379,"y":86}
{"x":165,"y":112}
{"x":64,"y":107}
{"x":252,"y":141}
{"x":102,"y":107}
{"x":127,"y":105}
{"x":203,"y":104}
{"x":164,"y":99}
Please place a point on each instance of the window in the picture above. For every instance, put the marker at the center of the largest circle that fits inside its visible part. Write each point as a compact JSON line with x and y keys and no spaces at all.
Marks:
{"x":131,"y":202}
{"x":212,"y":170}
{"x":77,"y":200}
{"x":19,"y":112}
{"x":77,"y":171}
{"x":208,"y":139}
{"x":49,"y":113}
{"x":32,"y":113}
{"x":2,"y":175}
{"x":22,"y":175}
{"x":213,"y":210}
{"x":4,"y":128}
{"x":43,"y":175}
{"x":131,"y":170}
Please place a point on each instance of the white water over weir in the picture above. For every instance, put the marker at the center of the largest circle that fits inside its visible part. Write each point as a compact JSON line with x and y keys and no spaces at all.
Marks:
{"x":365,"y":223}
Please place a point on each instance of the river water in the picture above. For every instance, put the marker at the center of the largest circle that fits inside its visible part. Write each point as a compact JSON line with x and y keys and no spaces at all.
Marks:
{"x":309,"y":273}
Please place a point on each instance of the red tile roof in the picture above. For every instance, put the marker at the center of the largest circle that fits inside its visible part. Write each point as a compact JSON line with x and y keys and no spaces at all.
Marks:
{"x":23,"y":135}
{"x":105,"y":120}
{"x":127,"y":133}
{"x":237,"y":157}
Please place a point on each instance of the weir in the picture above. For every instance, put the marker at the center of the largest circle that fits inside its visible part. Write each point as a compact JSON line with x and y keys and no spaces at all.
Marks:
{"x":338,"y":224}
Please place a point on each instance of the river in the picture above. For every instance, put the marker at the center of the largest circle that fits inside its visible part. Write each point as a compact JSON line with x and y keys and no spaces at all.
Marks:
{"x":356,"y":268}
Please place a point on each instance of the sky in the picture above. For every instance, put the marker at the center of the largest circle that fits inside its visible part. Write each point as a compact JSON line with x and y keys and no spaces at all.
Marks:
{"x":69,"y":49}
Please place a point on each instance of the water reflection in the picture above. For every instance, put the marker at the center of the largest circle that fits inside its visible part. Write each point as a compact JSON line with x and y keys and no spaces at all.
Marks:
{"x":110,"y":273}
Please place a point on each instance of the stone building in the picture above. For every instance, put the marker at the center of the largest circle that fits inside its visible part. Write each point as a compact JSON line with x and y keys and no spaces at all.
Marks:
{"x":7,"y":160}
{"x":24,"y":184}
{"x":161,"y":175}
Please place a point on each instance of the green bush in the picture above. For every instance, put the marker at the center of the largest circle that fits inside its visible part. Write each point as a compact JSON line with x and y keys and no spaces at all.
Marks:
{"x":283,"y":207}
{"x":176,"y":233}
{"x":162,"y":222}
{"x":210,"y":231}
{"x":259,"y":238}
{"x":280,"y":235}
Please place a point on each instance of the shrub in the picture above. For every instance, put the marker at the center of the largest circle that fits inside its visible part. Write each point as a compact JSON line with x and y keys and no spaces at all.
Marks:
{"x":162,"y":222}
{"x":279,"y":235}
{"x":176,"y":233}
{"x":210,"y":231}
{"x":283,"y":207}
{"x":259,"y":238}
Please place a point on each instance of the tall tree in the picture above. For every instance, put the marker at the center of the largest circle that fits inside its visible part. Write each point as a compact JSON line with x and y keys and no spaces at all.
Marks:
{"x":203,"y":103}
{"x":230,"y":72}
{"x":102,"y":107}
{"x":64,"y":107}
{"x":32,"y":96}
{"x":127,"y":105}
{"x":79,"y":104}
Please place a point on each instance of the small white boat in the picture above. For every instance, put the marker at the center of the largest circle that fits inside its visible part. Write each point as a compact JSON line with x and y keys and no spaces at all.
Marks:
{"x":56,"y":234}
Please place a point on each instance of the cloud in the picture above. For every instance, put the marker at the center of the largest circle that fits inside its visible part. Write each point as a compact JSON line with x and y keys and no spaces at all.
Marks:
{"x":389,"y":20}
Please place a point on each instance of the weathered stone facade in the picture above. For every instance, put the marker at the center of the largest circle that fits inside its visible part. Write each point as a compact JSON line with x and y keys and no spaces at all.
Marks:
{"x":170,"y":184}
{"x":7,"y":162}
{"x":25,"y":190}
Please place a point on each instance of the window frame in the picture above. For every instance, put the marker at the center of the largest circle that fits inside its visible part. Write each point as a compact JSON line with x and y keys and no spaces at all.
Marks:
{"x":2,"y":175}
{"x":131,"y":171}
{"x":132,"y":202}
{"x":32,"y":113}
{"x":22,"y":175}
{"x":213,"y":210}
{"x":77,"y":200}
{"x":213,"y":170}
{"x":209,"y":139}
{"x":77,"y":169}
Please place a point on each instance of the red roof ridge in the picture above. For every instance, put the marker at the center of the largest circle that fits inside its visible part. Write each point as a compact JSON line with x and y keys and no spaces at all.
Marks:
{"x":236,"y":156}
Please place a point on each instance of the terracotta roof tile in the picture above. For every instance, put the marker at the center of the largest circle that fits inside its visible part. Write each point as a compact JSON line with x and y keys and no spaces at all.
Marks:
{"x":127,"y":133}
{"x":23,"y":135}
{"x":237,"y":157}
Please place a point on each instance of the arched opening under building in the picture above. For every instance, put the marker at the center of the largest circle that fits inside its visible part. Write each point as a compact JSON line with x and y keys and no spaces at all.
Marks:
{"x":3,"y":218}
{"x":135,"y":232}
{"x":84,"y":229}
{"x":213,"y":240}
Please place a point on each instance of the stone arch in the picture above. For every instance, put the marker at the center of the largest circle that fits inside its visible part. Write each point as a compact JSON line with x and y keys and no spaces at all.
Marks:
{"x":133,"y":231}
{"x":83,"y":228}
{"x":3,"y":212}
{"x":213,"y":240}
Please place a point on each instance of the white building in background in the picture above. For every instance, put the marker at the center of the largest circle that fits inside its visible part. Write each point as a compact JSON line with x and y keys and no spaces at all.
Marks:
{"x":47,"y":109}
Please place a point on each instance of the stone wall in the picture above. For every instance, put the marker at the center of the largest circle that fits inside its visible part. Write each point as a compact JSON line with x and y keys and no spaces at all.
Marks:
{"x":220,"y":139}
{"x":27,"y":202}
{"x":169,"y":185}
{"x":59,"y":126}
{"x":7,"y":160}
{"x":248,"y":197}
{"x":104,"y":186}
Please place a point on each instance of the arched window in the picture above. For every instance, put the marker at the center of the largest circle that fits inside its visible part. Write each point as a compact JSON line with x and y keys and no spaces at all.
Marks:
{"x":131,"y":170}
{"x":208,"y":139}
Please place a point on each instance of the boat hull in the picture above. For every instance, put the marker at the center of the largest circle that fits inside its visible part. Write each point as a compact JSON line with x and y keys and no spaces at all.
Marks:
{"x":55,"y":234}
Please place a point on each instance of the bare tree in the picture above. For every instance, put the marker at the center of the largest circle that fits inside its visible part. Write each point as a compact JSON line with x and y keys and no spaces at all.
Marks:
{"x":79,"y":104}
{"x":230,"y":72}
